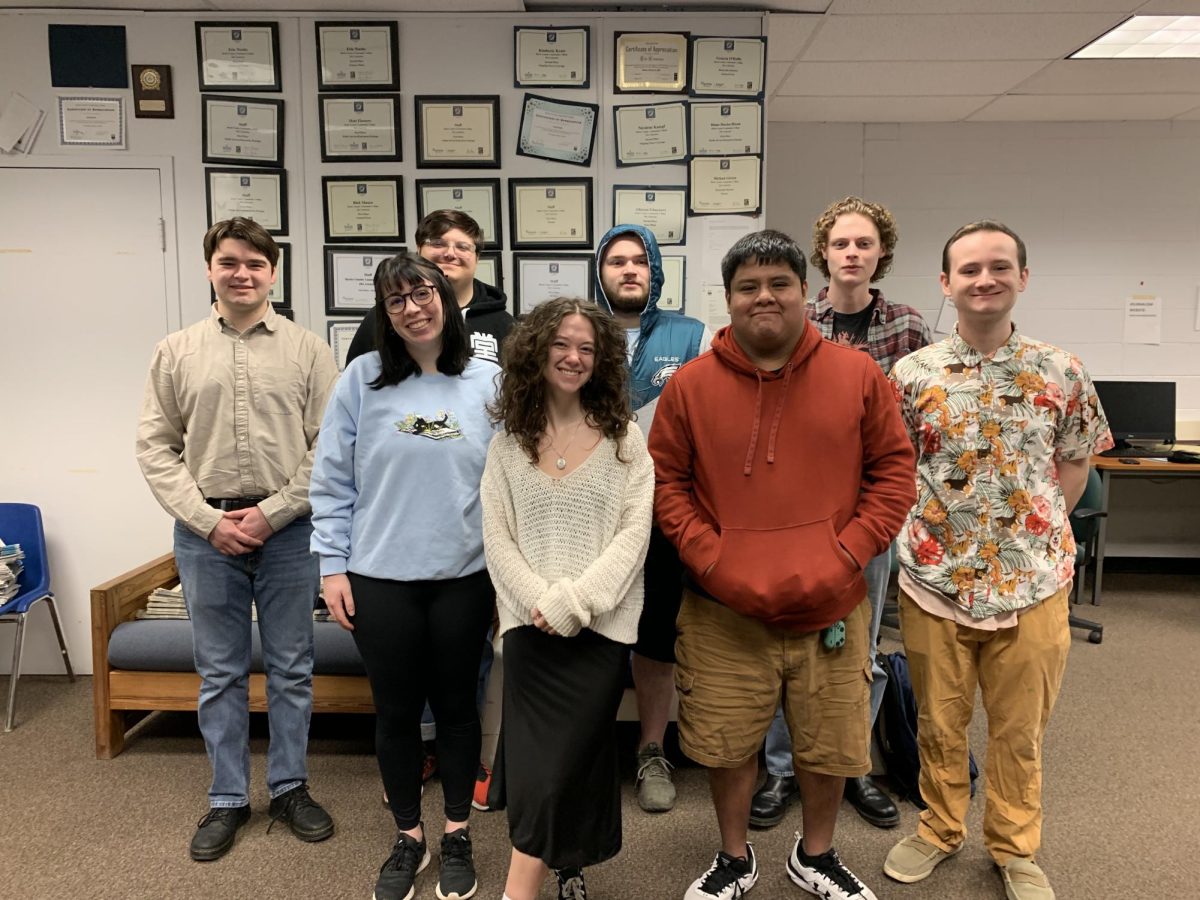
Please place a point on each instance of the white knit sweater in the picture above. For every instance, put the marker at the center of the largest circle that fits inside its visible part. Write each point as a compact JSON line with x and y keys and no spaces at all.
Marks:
{"x":571,"y":547}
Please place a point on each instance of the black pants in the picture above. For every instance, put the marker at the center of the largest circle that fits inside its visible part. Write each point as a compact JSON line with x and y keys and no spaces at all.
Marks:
{"x":423,"y":639}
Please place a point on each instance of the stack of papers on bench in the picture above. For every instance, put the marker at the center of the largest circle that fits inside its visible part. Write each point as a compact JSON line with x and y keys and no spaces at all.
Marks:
{"x":10,"y":569}
{"x":168,"y":603}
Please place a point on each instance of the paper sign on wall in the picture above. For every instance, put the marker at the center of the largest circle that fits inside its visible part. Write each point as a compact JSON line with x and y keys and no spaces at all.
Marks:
{"x":1143,"y":319}
{"x":947,"y":317}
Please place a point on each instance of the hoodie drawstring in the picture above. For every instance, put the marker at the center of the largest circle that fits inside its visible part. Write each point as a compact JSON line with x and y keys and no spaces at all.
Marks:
{"x":758,"y":399}
{"x":787,"y":376}
{"x":754,"y":429}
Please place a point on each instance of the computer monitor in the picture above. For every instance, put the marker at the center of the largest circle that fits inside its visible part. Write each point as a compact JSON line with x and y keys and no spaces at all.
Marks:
{"x":1142,"y":411}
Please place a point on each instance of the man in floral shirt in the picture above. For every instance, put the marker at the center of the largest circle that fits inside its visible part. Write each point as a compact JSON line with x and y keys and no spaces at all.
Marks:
{"x":1003,"y":426}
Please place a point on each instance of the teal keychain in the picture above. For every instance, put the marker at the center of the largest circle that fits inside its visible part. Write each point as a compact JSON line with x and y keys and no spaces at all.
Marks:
{"x":834,"y":637}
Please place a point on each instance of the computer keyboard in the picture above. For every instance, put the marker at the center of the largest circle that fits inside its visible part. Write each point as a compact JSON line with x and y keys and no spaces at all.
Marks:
{"x":1152,"y":452}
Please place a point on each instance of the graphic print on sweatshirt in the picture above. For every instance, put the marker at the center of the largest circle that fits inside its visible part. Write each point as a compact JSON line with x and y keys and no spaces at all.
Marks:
{"x":442,"y":425}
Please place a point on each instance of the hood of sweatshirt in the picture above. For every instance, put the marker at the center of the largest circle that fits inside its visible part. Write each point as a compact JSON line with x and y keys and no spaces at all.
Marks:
{"x":486,"y":299}
{"x":653,"y":257}
{"x":726,"y":348}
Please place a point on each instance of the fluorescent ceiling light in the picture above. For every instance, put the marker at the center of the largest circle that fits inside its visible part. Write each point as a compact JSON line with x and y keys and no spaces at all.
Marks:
{"x":1147,"y":37}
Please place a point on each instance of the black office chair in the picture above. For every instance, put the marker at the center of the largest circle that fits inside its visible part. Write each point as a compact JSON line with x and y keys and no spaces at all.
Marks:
{"x":1085,"y":525}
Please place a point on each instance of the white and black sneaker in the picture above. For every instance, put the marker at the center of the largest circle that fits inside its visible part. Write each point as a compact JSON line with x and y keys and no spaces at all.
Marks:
{"x":728,"y":878}
{"x":570,"y":884}
{"x":825,"y":875}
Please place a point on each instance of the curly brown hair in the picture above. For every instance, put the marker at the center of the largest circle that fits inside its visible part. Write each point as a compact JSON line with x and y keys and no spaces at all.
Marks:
{"x":521,"y":406}
{"x":884,"y":224}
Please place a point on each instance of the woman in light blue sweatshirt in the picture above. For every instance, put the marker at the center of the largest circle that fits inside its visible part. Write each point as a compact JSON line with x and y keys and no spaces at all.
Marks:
{"x":397,"y":527}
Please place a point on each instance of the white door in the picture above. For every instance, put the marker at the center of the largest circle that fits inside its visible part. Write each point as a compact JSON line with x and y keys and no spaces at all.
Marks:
{"x":83,"y":299}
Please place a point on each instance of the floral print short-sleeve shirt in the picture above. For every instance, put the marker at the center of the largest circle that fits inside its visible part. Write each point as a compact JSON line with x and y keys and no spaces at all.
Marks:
{"x":990,"y":529}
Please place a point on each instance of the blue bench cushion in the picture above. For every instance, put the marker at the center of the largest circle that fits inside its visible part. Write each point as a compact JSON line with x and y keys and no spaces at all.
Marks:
{"x":165,"y":645}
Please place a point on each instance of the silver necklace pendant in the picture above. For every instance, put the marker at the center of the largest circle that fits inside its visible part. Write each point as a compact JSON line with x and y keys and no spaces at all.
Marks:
{"x":560,"y":464}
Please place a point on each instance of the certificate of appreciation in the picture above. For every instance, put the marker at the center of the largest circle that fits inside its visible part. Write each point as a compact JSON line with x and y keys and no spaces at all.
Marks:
{"x":726,"y":129}
{"x":551,"y":57}
{"x":258,"y":194}
{"x":651,"y":62}
{"x":728,"y":65}
{"x":350,"y":278}
{"x":546,"y":276}
{"x":362,"y":210}
{"x":242,"y":130}
{"x":654,"y":133}
{"x":91,"y":121}
{"x":235,"y":57}
{"x":661,"y":208}
{"x":456,"y":132}
{"x":550,"y":212}
{"x":365,"y":128}
{"x":727,"y":184}
{"x":552,"y":129}
{"x":355,"y":56}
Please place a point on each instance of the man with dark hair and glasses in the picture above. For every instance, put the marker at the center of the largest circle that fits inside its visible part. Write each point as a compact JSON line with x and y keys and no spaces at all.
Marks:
{"x":452,"y":240}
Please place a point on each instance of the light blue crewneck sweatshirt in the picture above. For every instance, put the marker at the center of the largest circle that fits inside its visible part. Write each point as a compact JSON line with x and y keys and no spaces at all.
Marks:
{"x":395,"y":482}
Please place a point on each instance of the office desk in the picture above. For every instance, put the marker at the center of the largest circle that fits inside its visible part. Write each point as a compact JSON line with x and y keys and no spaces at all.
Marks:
{"x":1109,"y":469}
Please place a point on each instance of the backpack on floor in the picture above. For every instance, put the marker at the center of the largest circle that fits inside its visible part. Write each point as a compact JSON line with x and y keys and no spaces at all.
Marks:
{"x":896,"y":731}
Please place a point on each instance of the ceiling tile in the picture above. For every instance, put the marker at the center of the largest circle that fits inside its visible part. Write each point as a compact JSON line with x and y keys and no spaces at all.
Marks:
{"x":1115,"y":76}
{"x":1078,"y":108}
{"x":908,"y":79}
{"x":873,"y":109}
{"x":927,"y":7}
{"x":776,"y":72}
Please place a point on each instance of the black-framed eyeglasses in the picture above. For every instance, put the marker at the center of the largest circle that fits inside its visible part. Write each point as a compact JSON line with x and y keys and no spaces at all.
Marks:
{"x":420,"y":296}
{"x":442,"y":244}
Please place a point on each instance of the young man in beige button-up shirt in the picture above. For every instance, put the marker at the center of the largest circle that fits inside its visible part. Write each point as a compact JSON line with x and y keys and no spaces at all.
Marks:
{"x":228,"y":426}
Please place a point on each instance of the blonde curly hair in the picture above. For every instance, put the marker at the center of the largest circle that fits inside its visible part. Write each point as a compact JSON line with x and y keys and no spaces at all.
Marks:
{"x":884,"y":224}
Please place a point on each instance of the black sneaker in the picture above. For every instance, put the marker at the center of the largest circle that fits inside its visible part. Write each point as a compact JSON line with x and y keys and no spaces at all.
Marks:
{"x":457,"y":881}
{"x":825,"y":875}
{"x":570,"y":884}
{"x":302,"y":813}
{"x":216,"y":831}
{"x":728,"y":878}
{"x":399,"y":872}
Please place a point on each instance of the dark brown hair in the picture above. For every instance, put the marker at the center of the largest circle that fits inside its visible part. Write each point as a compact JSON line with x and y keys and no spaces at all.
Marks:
{"x":982,"y":225}
{"x":438,"y":222}
{"x":521,"y":406}
{"x":879,"y":215}
{"x":241,"y":229}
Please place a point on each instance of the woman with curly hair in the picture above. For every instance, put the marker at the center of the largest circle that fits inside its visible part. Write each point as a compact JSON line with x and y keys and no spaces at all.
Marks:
{"x":568,"y":494}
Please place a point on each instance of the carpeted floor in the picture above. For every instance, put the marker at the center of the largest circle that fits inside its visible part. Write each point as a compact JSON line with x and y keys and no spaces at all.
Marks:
{"x":1120,"y":787}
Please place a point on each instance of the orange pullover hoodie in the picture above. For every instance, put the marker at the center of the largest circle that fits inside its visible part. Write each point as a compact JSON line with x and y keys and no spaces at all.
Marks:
{"x":778,"y":487}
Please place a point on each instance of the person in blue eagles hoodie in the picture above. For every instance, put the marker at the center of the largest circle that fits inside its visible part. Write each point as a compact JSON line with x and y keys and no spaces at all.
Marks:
{"x":629,"y":281}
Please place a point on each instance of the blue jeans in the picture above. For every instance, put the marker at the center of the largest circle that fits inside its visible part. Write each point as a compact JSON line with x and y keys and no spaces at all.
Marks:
{"x":281,"y":577}
{"x":779,"y":744}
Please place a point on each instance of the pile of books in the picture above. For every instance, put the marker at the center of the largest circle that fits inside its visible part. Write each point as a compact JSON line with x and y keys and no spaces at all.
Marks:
{"x":10,"y":570}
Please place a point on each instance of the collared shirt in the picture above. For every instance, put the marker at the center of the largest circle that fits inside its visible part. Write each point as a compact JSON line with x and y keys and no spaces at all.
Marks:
{"x":895,"y":331}
{"x":990,"y":529}
{"x":234,"y":414}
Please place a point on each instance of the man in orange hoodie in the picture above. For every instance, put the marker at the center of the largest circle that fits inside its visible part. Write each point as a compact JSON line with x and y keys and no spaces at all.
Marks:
{"x":782,"y":468}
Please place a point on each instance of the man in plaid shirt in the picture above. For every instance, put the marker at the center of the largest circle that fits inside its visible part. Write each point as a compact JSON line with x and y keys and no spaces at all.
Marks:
{"x":853,"y":242}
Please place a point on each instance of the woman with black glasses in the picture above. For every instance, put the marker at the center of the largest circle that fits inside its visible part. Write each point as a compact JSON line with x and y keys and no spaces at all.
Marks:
{"x":397,"y":527}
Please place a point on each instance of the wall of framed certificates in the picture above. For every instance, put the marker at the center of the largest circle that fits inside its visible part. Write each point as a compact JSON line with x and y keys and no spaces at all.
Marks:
{"x":340,"y":131}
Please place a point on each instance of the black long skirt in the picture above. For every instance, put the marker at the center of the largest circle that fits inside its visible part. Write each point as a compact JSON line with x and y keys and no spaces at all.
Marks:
{"x":556,"y":766}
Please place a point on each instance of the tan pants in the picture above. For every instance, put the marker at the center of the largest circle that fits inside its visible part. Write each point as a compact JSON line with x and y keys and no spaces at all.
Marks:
{"x":1020,"y":671}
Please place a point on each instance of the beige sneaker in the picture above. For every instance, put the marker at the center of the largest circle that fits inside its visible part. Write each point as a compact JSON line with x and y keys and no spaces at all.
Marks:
{"x":914,"y":859}
{"x":1024,"y":880}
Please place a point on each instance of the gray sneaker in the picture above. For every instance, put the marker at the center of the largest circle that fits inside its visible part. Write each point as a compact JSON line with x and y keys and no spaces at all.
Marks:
{"x":656,"y":793}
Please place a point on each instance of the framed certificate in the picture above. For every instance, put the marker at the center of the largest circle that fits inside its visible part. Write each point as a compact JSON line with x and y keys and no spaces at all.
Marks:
{"x":350,"y":278}
{"x":651,"y":62}
{"x":258,"y":194}
{"x":242,"y":130}
{"x":479,"y":198}
{"x":551,"y":57}
{"x":341,"y":334}
{"x":232,"y":56}
{"x":358,"y":56}
{"x":728,"y":66}
{"x":661,"y":208}
{"x":362,"y":128}
{"x":490,"y":271}
{"x":91,"y":121}
{"x":362,"y":209}
{"x":725,"y":128}
{"x":654,"y":133}
{"x":556,"y":130}
{"x":726,"y":184}
{"x":458,"y":132}
{"x":280,"y":294}
{"x":287,"y":312}
{"x":545,"y":276}
{"x":674,"y":282}
{"x":550,"y":212}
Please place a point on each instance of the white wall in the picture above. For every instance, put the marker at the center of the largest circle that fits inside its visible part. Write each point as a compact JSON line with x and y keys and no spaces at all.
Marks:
{"x":439,"y":54}
{"x":1106,"y":210}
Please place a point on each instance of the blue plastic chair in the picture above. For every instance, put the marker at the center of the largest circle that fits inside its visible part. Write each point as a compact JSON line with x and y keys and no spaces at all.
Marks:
{"x":21,"y":523}
{"x":1085,"y":525}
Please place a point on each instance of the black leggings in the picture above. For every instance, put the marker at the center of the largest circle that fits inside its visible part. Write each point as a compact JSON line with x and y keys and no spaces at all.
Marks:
{"x":423,"y":639}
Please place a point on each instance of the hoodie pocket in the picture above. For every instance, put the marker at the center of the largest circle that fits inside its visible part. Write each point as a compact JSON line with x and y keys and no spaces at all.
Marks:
{"x":763,"y":573}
